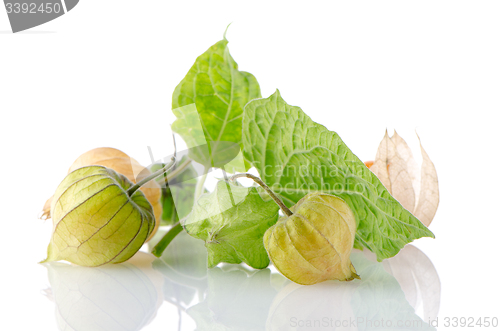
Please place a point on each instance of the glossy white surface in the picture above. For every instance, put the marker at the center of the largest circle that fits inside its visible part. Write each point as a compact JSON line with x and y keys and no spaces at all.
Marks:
{"x":404,"y":292}
{"x":103,"y":76}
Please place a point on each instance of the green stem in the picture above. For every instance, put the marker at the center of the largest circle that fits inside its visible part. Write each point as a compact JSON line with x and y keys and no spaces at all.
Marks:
{"x":228,"y":188}
{"x":169,"y":236}
{"x":200,"y":184}
{"x":259,"y":181}
{"x":177,"y":171}
{"x":177,"y":227}
{"x":136,"y":186}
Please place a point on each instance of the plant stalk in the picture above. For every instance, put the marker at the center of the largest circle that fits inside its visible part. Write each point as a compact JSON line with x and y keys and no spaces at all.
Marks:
{"x":177,"y":227}
{"x":177,"y":171}
{"x":167,"y":238}
{"x":136,"y":186}
{"x":259,"y":181}
{"x":200,"y":184}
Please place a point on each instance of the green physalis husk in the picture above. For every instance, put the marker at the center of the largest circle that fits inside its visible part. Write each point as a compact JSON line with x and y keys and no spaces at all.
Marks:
{"x":314,"y":243}
{"x":95,"y":221}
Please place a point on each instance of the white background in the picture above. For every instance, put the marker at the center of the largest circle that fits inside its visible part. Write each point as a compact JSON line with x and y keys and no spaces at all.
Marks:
{"x":103,"y":75}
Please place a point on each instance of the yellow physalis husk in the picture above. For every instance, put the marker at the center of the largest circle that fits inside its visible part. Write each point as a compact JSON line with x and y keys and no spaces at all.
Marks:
{"x":99,"y":217}
{"x":123,"y":164}
{"x":314,"y":243}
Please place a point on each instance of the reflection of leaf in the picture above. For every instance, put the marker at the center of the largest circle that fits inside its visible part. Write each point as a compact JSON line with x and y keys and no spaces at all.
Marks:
{"x":231,"y":221}
{"x":396,"y":168}
{"x":219,"y":92}
{"x":296,"y":156}
{"x":111,"y":297}
{"x":237,"y":300}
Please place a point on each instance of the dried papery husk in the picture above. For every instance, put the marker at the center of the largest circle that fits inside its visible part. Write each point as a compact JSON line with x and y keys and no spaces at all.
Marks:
{"x":122,"y":163}
{"x":96,"y":219}
{"x":314,"y":243}
{"x":98,"y":154}
{"x":416,"y":188}
{"x":393,"y":170}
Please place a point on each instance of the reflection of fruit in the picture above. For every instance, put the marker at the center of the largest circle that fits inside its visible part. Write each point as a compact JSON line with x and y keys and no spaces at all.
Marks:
{"x":376,"y":302}
{"x":323,"y":300}
{"x":125,"y":165}
{"x":120,"y":297}
{"x":144,"y":261}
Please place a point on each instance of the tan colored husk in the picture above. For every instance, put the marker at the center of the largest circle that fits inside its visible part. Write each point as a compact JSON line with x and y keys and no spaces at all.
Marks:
{"x":123,"y":164}
{"x":416,"y":188}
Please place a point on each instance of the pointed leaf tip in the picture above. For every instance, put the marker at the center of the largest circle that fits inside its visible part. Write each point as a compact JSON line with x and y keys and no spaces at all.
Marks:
{"x":225,"y":31}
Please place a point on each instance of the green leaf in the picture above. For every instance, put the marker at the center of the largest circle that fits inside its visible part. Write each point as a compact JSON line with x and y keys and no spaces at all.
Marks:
{"x":232,"y":221}
{"x":208,"y":104}
{"x":296,"y":156}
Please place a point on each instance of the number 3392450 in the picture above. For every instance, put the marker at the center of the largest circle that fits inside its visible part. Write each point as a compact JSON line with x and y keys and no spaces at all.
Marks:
{"x":33,"y":8}
{"x":470,"y":322}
